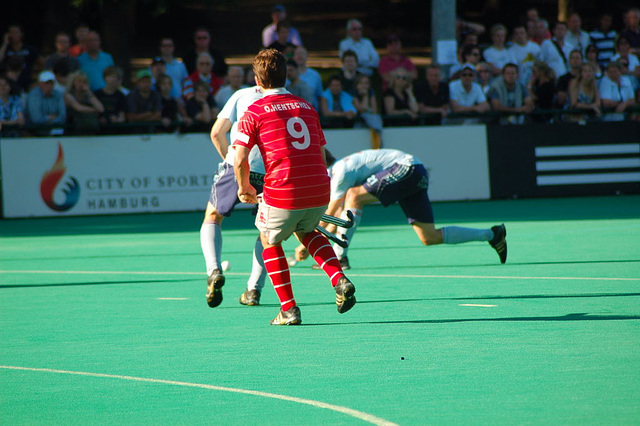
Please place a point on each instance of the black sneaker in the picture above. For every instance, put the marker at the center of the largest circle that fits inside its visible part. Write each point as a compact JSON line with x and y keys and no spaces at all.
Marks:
{"x":344,"y":263}
{"x":345,"y":295}
{"x":499,"y":241}
{"x":289,"y":317}
{"x":214,"y":288}
{"x":250,"y":298}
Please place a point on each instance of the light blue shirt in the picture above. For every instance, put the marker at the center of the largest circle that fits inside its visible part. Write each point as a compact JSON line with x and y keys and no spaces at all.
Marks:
{"x":313,"y":79}
{"x":178,"y":72}
{"x":95,"y":67}
{"x":368,"y":58}
{"x":355,"y":169}
{"x":40,"y":106}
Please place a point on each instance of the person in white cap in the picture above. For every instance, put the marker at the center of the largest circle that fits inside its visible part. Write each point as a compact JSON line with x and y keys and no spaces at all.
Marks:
{"x":45,"y":105}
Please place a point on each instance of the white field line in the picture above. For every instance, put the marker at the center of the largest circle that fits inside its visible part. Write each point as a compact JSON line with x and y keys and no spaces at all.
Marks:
{"x":477,"y":305}
{"x":318,"y":404}
{"x":475,"y":277}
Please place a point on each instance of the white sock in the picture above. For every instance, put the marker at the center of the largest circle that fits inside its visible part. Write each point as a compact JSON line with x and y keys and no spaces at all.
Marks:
{"x":457,"y":235}
{"x":258,"y":273}
{"x":211,"y":243}
{"x":348,"y":232}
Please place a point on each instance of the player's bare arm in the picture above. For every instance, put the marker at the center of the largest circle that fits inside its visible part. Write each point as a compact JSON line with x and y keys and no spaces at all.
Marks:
{"x":219,"y":132}
{"x":246,"y":192}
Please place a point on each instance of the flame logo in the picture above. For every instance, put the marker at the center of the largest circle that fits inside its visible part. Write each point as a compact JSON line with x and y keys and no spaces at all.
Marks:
{"x":50,"y":181}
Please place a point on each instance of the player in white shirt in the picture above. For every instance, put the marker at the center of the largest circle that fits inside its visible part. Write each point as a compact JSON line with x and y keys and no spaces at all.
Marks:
{"x":224,"y":197}
{"x":389,"y":176}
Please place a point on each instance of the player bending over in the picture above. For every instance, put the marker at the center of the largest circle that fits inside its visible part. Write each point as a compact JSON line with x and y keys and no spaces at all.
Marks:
{"x":296,"y":184}
{"x":388,"y":176}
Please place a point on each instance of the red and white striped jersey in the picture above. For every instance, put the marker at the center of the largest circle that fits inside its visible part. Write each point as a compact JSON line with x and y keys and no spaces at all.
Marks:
{"x":287,"y":131}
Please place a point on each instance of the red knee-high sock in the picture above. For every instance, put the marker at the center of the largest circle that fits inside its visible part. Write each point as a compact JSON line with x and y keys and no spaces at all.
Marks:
{"x":320,"y":249}
{"x":277,"y":268}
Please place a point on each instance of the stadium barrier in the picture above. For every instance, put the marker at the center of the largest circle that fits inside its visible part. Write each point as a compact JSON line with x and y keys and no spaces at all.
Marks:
{"x":96,"y":175}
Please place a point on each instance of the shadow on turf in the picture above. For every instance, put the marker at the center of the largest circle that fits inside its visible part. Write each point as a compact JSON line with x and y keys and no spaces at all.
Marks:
{"x":95,"y":283}
{"x":568,"y":317}
{"x":567,"y":262}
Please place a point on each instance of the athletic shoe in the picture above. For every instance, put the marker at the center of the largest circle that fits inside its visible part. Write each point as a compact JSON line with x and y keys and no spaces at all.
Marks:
{"x":214,"y":288}
{"x":344,"y":263}
{"x":499,"y":241}
{"x":250,"y":298}
{"x":345,"y":295}
{"x":289,"y":317}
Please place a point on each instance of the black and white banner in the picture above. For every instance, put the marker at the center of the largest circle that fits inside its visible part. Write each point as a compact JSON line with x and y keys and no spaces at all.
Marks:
{"x":564,"y":159}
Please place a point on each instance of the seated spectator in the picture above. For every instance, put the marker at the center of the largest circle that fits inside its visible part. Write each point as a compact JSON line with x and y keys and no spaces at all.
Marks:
{"x":112,"y":99}
{"x":468,"y":38}
{"x":484,"y":77}
{"x":269,"y":33}
{"x":433,"y":95}
{"x":12,"y":71}
{"x":203,"y":73}
{"x":349,"y":71}
{"x":308,"y":75}
{"x":367,"y":55}
{"x":623,"y":51}
{"x":62,"y":44}
{"x":44,"y":105}
{"x":235,"y":77}
{"x":556,"y":52}
{"x":202,"y":44}
{"x":631,"y":29}
{"x":393,"y":60}
{"x":497,"y":55}
{"x":469,"y":54}
{"x":61,"y":71}
{"x":541,"y":32}
{"x":562,"y":86}
{"x":94,"y":61}
{"x":524,"y":51}
{"x":583,"y":93}
{"x":592,"y":59}
{"x":11,"y":111}
{"x":466,"y":95}
{"x":399,"y":99}
{"x":282,"y":43}
{"x":336,"y":103}
{"x":173,"y":67}
{"x":172,"y":109}
{"x":143,"y":103}
{"x":604,"y":38}
{"x":508,"y":94}
{"x":295,"y":85}
{"x":201,"y":108}
{"x":626,"y":74}
{"x":366,"y":106}
{"x":542,"y":89}
{"x":157,"y":68}
{"x":83,"y":107}
{"x":249,"y":76}
{"x":13,"y":46}
{"x":615,"y":92}
{"x":576,"y":37}
{"x":81,"y":33}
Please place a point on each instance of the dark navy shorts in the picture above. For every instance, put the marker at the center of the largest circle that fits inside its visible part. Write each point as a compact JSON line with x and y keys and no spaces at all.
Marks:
{"x":407,"y":185}
{"x":224,"y":191}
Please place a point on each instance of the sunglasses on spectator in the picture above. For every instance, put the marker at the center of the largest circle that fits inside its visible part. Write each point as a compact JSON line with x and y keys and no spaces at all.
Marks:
{"x":204,"y":37}
{"x":467,"y":74}
{"x":401,"y":77}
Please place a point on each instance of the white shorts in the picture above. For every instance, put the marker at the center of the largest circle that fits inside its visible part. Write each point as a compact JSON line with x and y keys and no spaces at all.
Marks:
{"x":278,"y":224}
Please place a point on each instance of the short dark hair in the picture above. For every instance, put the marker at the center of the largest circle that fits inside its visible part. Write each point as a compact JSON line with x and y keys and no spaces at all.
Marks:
{"x":282,"y":24}
{"x":292,"y":63}
{"x":333,"y":78}
{"x":270,"y":67}
{"x":509,"y":65}
{"x":349,"y":53}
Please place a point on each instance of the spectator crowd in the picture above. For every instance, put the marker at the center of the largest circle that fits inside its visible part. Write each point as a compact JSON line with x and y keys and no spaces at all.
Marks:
{"x":530,"y":71}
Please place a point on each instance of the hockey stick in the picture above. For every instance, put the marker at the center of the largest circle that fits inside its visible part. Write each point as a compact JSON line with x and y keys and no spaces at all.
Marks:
{"x":342,"y":242}
{"x":337,"y":221}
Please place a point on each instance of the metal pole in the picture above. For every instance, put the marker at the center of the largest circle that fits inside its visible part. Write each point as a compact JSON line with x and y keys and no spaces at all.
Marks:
{"x":443,"y":30}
